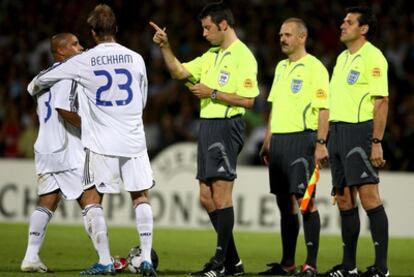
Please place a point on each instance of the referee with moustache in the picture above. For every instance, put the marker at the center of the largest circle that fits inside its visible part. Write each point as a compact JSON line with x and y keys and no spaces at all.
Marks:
{"x":295,"y":142}
{"x":225,"y":80}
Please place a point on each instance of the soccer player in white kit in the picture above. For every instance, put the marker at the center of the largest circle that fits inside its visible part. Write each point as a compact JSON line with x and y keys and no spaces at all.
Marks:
{"x":59,"y":155}
{"x":112,"y":97}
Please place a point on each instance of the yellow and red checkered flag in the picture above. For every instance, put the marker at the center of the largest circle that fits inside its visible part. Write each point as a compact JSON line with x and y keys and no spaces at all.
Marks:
{"x":309,"y":190}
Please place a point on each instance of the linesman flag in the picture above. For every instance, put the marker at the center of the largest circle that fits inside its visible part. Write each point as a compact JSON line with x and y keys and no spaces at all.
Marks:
{"x":304,"y":205}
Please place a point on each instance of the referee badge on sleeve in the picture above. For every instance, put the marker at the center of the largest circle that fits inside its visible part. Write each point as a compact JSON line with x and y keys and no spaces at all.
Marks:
{"x":296,"y":85}
{"x":353,"y":76}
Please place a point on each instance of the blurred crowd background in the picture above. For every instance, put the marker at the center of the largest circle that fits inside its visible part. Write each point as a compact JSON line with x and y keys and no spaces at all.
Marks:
{"x":171,"y":114}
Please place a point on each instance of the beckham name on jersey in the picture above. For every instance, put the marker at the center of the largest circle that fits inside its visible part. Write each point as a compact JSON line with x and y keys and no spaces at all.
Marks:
{"x":111,"y":59}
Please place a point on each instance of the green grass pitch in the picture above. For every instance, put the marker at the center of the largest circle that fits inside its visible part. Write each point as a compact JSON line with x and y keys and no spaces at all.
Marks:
{"x":67,"y":250}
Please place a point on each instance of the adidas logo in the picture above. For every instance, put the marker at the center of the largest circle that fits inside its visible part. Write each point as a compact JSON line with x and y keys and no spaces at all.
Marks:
{"x":309,"y":243}
{"x":221,"y":169}
{"x":364,"y":175}
{"x":101,"y":185}
{"x":301,"y":186}
{"x":376,"y":243}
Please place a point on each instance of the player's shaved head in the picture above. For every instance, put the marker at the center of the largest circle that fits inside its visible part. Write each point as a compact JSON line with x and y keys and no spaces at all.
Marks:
{"x":59,"y":41}
{"x":300,"y":25}
{"x":64,"y":45}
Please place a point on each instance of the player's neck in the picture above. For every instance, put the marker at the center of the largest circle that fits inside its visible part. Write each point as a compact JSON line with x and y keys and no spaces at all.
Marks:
{"x":104,"y":39}
{"x":354,"y":46}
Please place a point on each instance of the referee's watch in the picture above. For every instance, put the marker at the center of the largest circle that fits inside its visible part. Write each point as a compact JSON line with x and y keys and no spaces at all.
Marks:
{"x":213,"y":95}
{"x":321,"y":141}
{"x":376,"y":140}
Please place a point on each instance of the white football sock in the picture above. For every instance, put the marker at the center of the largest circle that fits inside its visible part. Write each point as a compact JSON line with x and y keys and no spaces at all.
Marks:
{"x":99,"y":232}
{"x":37,"y":230}
{"x":144,"y":222}
{"x":88,"y":228}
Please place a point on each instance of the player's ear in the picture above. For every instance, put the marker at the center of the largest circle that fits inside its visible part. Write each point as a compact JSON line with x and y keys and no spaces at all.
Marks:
{"x":60,"y":51}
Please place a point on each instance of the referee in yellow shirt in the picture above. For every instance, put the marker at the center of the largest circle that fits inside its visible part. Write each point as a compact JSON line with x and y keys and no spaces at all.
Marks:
{"x":358,"y":115}
{"x":225,"y":80}
{"x":295,"y":142}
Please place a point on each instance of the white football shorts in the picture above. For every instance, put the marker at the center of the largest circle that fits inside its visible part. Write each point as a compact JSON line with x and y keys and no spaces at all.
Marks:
{"x":69,"y":182}
{"x":107,"y":173}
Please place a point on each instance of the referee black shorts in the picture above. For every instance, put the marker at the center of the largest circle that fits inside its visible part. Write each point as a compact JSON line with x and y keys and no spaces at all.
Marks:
{"x":219,"y":144}
{"x":349,"y":152}
{"x":291,"y":162}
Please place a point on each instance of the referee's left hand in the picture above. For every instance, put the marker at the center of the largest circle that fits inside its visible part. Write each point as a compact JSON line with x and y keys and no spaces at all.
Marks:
{"x":201,"y":91}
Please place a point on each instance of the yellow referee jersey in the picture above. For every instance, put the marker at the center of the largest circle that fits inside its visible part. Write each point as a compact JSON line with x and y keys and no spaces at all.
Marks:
{"x":356,"y":79}
{"x":299,"y":90}
{"x":233,"y":70}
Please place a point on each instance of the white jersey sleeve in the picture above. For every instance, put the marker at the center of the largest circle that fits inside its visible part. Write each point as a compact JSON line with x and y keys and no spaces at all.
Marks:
{"x":112,"y":97}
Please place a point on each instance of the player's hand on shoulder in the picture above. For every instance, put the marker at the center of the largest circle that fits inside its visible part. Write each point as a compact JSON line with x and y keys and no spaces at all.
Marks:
{"x":160,"y":36}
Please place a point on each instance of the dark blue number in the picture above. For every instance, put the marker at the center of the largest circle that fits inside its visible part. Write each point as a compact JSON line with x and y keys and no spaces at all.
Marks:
{"x":49,"y":108}
{"x":125,"y":86}
{"x":103,"y":88}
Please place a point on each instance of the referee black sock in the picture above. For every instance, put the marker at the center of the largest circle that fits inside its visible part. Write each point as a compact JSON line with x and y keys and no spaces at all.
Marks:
{"x":232,"y":257}
{"x":225,"y":223}
{"x":379,"y":231}
{"x":350,"y":226}
{"x":289,"y":229}
{"x":312,"y":229}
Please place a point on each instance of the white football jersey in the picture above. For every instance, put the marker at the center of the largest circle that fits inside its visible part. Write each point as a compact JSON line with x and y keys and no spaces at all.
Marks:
{"x":58,"y":146}
{"x":112,"y":97}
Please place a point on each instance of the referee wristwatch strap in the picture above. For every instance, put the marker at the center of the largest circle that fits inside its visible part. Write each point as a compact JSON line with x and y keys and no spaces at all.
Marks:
{"x":376,"y":140}
{"x":213,"y":95}
{"x":321,"y":141}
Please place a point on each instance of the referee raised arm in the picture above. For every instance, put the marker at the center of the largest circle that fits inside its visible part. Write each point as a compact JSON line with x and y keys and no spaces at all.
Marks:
{"x":224,"y":79}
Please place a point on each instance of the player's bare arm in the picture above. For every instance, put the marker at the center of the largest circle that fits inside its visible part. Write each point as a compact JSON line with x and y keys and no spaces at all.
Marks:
{"x":380,"y":121}
{"x":203,"y":91}
{"x":71,"y":117}
{"x":174,"y":66}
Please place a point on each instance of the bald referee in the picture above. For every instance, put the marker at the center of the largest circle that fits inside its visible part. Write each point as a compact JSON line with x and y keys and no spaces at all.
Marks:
{"x":295,"y":141}
{"x":224,"y":78}
{"x":358,"y":115}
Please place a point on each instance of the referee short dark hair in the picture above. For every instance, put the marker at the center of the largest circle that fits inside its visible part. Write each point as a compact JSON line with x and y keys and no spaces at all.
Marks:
{"x":218,"y":12}
{"x":366,"y":17}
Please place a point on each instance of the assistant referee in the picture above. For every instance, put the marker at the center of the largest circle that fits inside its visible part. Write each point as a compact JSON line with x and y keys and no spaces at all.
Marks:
{"x":358,"y":115}
{"x":295,"y":142}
